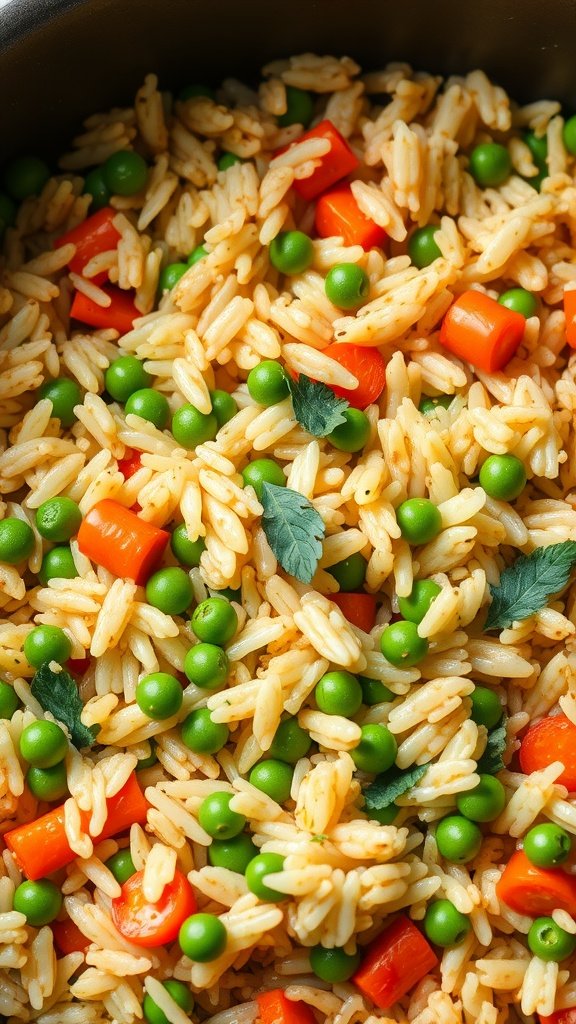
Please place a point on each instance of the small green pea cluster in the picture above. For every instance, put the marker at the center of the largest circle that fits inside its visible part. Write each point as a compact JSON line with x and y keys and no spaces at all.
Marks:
{"x":44,"y":746}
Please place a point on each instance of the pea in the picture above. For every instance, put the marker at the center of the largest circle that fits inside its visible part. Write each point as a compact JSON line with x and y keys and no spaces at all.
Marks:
{"x":190,"y":92}
{"x":48,"y":783}
{"x":229,"y":594}
{"x":58,"y":519}
{"x":536,"y":180}
{"x":444,"y":925}
{"x":352,"y":435}
{"x":201,"y":734}
{"x":25,"y":176}
{"x":547,"y":845}
{"x":125,"y":173}
{"x":291,"y":742}
{"x":170,"y":275}
{"x":214,"y":621}
{"x":191,"y":427}
{"x":459,"y":840}
{"x":258,"y":870}
{"x":291,"y":252}
{"x":47,"y":643}
{"x":43,"y":744}
{"x":422,"y":249}
{"x":121,"y":865}
{"x":217,"y":817}
{"x":484,"y":802}
{"x":338,"y":693}
{"x":7,"y":212}
{"x":486,"y":707}
{"x":151,"y":405}
{"x":227,"y":160}
{"x":159,"y":696}
{"x":64,"y":394}
{"x":206,"y":665}
{"x":374,"y":692}
{"x":95,"y":186}
{"x":223,"y":406}
{"x":124,"y":376}
{"x":185,"y":550}
{"x":350,"y":573}
{"x":385,"y":816}
{"x":299,"y":108}
{"x":401,"y":645}
{"x":9,"y":702}
{"x":347,"y":285}
{"x":260,"y":472}
{"x":181,"y":995}
{"x":538,"y":147}
{"x":40,"y":901}
{"x":148,"y":762}
{"x":520,"y":301}
{"x":490,"y":164}
{"x":196,"y":255}
{"x":202,"y":938}
{"x":503,"y":477}
{"x":267,"y":383}
{"x":58,"y":563}
{"x":428,"y":404}
{"x":419,"y":520}
{"x":170,"y":590}
{"x":414,"y":607}
{"x":550,"y":942}
{"x":16,"y":540}
{"x":569,"y":134}
{"x":234,"y":854}
{"x":376,"y":751}
{"x":273,"y":778}
{"x":333,"y":965}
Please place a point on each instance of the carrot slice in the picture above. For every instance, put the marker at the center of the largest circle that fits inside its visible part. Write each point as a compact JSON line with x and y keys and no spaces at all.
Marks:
{"x":68,"y":938}
{"x":116,"y":538}
{"x":396,"y":961}
{"x":275,"y":1008}
{"x":570,"y":314}
{"x":119,"y":315}
{"x":551,"y":739}
{"x":359,"y":609}
{"x":332,"y":166}
{"x":535,"y":891}
{"x":93,"y":236}
{"x":479,"y":330}
{"x":153,"y":924}
{"x":338,"y":213}
{"x":368,"y":366}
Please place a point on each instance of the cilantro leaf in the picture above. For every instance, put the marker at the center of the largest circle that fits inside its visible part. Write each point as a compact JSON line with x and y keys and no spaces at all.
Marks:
{"x":294,"y":530}
{"x":391,"y":784}
{"x":57,"y":693}
{"x":491,"y":760}
{"x":316,"y":407}
{"x":526,"y":585}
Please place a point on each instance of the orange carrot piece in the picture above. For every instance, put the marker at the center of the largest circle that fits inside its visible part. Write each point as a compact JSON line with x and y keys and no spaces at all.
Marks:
{"x":480,"y":331}
{"x":113,"y":536}
{"x":534,"y":891}
{"x":338,"y":213}
{"x":119,"y":315}
{"x":359,"y":609}
{"x":396,"y":961}
{"x":275,"y":1008}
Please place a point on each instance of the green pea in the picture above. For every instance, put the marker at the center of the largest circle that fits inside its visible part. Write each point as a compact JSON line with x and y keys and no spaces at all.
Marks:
{"x":428,"y":404}
{"x":444,"y":925}
{"x":299,"y":108}
{"x":159,"y":696}
{"x":201,"y":734}
{"x":25,"y":176}
{"x":258,"y":870}
{"x":376,"y":751}
{"x":273,"y":778}
{"x":64,"y":394}
{"x":58,"y":563}
{"x":170,"y":275}
{"x":490,"y":164}
{"x":190,"y":427}
{"x":503,"y":477}
{"x":185,"y":550}
{"x":196,"y":255}
{"x":48,"y":783}
{"x":124,"y":376}
{"x":214,"y":621}
{"x":181,"y":995}
{"x":538,"y":146}
{"x":459,"y":840}
{"x":374,"y":692}
{"x":291,"y":742}
{"x":234,"y":854}
{"x":16,"y":540}
{"x":548,"y":941}
{"x":291,"y":252}
{"x":569,"y":134}
{"x":206,"y":665}
{"x":47,"y":643}
{"x":43,"y":744}
{"x":422,"y":249}
{"x":202,"y":938}
{"x":347,"y":285}
{"x":484,"y":802}
{"x":151,"y":760}
{"x":190,"y":92}
{"x":9,"y":702}
{"x":260,"y":472}
{"x":227,"y":160}
{"x":536,"y":180}
{"x":229,"y":594}
{"x":338,"y":693}
{"x":267,"y":383}
{"x":170,"y":590}
{"x":125,"y":173}
{"x":519,"y":301}
{"x":352,"y":435}
{"x":40,"y":901}
{"x":7,"y":212}
{"x":333,"y":965}
{"x":95,"y":186}
{"x":547,"y":845}
{"x":121,"y":865}
{"x":385,"y":816}
{"x":414,"y":607}
{"x":58,"y":519}
{"x":151,"y":405}
{"x":350,"y":573}
{"x":401,"y":645}
{"x":223,"y":406}
{"x":217,"y":817}
{"x":486,"y":707}
{"x":419,"y":520}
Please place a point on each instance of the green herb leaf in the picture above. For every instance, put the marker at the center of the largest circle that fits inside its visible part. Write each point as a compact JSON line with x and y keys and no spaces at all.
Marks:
{"x":294,"y":530}
{"x":316,"y":407}
{"x":491,"y":760}
{"x":57,"y":693}
{"x":387,"y":787}
{"x":527,"y":584}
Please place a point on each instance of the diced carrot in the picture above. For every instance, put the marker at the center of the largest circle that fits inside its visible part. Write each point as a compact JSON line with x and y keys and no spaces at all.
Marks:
{"x":114,"y":537}
{"x":68,"y":938}
{"x":570,"y":314}
{"x":93,"y":236}
{"x":275,"y":1008}
{"x":534,"y":891}
{"x":119,"y":315}
{"x":551,"y":739}
{"x":368,"y":366}
{"x":332,"y":166}
{"x":338,"y":213}
{"x":396,"y":961}
{"x":359,"y":609}
{"x":479,"y":330}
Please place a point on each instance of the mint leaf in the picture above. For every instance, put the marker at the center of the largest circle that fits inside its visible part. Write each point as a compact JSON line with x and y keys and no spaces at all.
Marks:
{"x":526,"y":585}
{"x":294,"y":530}
{"x":316,"y":407}
{"x":57,"y":693}
{"x":491,"y":760}
{"x":387,"y":787}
